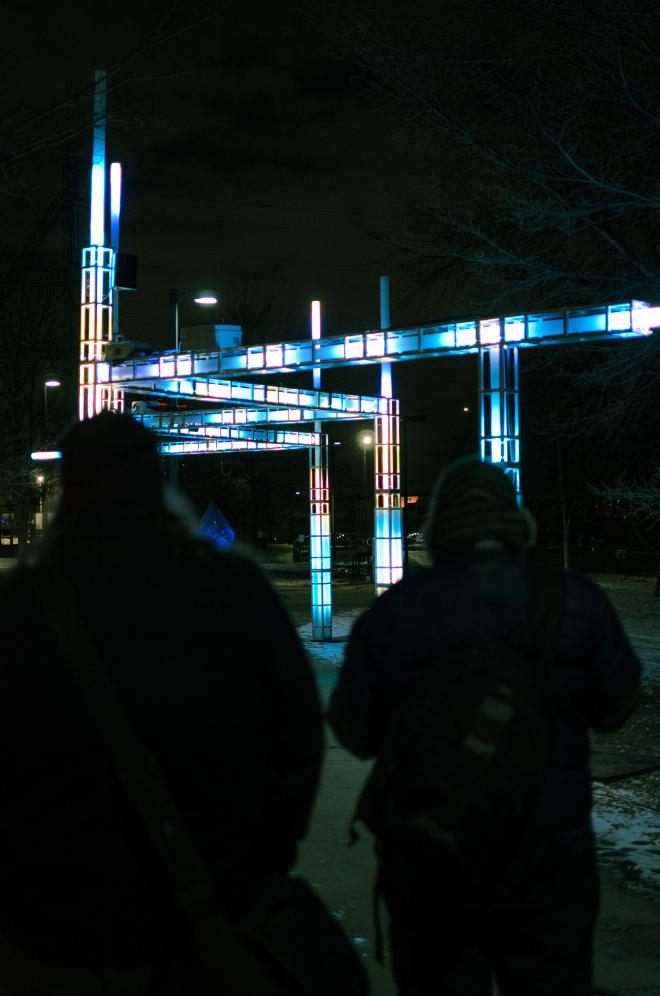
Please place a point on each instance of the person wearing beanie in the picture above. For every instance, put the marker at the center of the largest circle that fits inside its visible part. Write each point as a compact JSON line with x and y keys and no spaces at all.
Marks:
{"x":473,"y":683}
{"x":212,"y":675}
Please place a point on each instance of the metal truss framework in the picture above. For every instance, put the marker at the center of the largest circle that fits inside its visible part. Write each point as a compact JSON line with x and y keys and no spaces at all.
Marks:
{"x":215,"y":379}
{"x":201,"y":376}
{"x":179,"y":441}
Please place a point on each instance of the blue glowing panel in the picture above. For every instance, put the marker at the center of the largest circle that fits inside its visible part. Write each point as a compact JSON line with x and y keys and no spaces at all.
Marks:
{"x":115,"y":203}
{"x":97,"y":199}
{"x":630,"y":318}
{"x":214,"y":527}
{"x":319,"y":542}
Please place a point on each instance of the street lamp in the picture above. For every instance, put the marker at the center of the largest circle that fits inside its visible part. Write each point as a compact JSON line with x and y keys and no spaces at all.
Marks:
{"x":202,"y":297}
{"x":40,"y":480}
{"x":405,"y":486}
{"x":366,"y":441}
{"x":52,"y":382}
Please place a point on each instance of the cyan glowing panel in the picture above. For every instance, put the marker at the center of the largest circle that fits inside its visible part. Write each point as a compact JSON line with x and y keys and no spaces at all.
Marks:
{"x":238,"y":416}
{"x":279,"y":437}
{"x":193,"y":447}
{"x":630,"y":318}
{"x":97,"y":193}
{"x":115,"y":203}
{"x":388,"y":541}
{"x":499,"y":409}
{"x":152,"y":376}
{"x":319,"y":541}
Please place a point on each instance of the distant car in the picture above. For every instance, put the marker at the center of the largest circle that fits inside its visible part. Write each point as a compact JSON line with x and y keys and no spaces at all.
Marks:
{"x":300,"y":548}
{"x":414,"y":540}
{"x":347,"y":548}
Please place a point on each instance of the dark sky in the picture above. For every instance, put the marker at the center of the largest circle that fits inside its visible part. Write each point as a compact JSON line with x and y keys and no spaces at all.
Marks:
{"x":250,"y":159}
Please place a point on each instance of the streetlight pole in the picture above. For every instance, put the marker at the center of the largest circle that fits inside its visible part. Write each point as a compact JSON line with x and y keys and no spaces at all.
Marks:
{"x":366,"y":441}
{"x":199,"y":297}
{"x":52,"y":383}
{"x":404,"y":483}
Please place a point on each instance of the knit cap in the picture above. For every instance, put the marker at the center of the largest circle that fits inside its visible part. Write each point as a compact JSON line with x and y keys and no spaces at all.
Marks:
{"x":110,"y":459}
{"x":475,"y":501}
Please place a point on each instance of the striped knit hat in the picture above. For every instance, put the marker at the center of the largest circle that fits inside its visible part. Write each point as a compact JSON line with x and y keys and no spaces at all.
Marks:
{"x":475,"y":501}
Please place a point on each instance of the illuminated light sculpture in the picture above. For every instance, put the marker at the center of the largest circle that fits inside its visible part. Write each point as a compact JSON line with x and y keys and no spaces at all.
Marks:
{"x":198,"y":376}
{"x":215,"y":379}
{"x":97,"y":276}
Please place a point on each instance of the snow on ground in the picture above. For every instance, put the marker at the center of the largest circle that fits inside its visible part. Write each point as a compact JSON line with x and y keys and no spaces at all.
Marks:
{"x":628,"y":835}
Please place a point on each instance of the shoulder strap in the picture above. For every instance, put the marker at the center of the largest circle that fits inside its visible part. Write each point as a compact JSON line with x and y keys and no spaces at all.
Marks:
{"x":141,"y":777}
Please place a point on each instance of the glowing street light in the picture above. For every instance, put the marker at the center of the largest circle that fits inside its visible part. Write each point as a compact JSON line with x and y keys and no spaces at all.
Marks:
{"x":202,"y":297}
{"x":366,"y":441}
{"x":49,"y":384}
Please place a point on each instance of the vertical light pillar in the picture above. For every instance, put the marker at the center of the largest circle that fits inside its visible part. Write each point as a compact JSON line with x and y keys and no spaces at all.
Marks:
{"x":315,"y":322}
{"x":388,"y":524}
{"x":385,"y":367}
{"x":319,"y":541}
{"x":500,"y":409}
{"x":96,"y":277}
{"x":388,"y":515}
{"x":115,"y":211}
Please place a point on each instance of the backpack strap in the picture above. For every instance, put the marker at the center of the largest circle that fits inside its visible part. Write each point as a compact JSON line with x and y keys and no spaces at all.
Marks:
{"x":139,"y":773}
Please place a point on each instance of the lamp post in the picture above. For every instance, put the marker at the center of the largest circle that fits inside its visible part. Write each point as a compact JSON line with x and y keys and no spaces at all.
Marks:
{"x":366,"y":441}
{"x":41,"y":481}
{"x":202,"y":297}
{"x":404,"y":483}
{"x":49,"y":384}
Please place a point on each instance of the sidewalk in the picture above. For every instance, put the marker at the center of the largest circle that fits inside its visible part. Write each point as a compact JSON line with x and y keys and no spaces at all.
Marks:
{"x":627,"y":943}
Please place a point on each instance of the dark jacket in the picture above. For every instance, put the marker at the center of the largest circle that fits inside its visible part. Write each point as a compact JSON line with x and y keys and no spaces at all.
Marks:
{"x":471,"y":597}
{"x":213,"y":676}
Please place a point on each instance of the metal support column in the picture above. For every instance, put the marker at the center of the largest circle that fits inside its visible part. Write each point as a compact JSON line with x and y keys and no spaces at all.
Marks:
{"x":499,"y":409}
{"x":388,"y":525}
{"x":319,"y":541}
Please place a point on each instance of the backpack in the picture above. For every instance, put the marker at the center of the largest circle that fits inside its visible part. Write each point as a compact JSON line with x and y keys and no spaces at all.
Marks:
{"x":464,"y":759}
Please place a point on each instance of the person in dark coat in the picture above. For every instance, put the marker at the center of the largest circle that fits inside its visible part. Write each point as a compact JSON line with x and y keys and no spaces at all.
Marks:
{"x":456,"y":921}
{"x":215,"y":681}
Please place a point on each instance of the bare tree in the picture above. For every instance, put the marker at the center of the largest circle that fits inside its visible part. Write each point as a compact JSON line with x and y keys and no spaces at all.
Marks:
{"x":536,"y":125}
{"x":30,"y":349}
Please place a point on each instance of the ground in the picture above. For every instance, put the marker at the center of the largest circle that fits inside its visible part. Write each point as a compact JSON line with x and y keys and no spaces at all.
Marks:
{"x":626,"y":812}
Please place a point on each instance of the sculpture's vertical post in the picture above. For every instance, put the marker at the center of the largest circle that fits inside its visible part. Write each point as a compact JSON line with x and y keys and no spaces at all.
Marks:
{"x":320,"y":544}
{"x":115,"y":212}
{"x":388,"y":516}
{"x":388,"y":540}
{"x":319,"y":541}
{"x":500,"y":409}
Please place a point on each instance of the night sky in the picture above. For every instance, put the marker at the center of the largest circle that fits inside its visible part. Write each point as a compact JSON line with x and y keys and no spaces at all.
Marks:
{"x":252,"y":165}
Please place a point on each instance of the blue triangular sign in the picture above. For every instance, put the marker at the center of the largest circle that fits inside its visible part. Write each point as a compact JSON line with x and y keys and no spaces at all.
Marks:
{"x":214,"y":527}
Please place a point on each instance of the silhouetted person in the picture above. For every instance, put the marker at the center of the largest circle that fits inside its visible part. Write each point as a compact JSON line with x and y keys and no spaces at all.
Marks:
{"x":213,"y":678}
{"x":487,"y":863}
